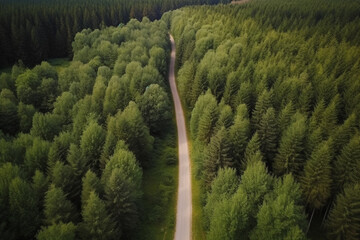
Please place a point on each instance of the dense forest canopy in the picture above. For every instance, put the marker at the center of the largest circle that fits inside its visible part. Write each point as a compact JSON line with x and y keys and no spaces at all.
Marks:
{"x":73,"y":144}
{"x":273,"y":89}
{"x":36,"y":30}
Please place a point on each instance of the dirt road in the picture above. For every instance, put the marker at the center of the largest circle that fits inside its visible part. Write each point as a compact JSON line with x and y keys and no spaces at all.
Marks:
{"x":184,"y":207}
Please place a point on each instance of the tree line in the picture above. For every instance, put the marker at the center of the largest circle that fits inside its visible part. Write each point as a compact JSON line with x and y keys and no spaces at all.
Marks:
{"x":274,"y":95}
{"x":33,"y":31}
{"x":74,"y":143}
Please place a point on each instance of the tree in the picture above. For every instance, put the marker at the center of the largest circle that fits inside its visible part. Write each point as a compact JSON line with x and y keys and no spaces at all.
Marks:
{"x":63,"y":106}
{"x":91,"y":144}
{"x":281,"y":216}
{"x":90,"y":183}
{"x":261,"y":107}
{"x":223,"y":187}
{"x":25,"y":114}
{"x":155,"y":108}
{"x":97,"y":222}
{"x":60,"y":231}
{"x":255,"y":184}
{"x":204,"y":117}
{"x":268,"y":134}
{"x":239,"y":134}
{"x":46,"y":126}
{"x":26,"y":88}
{"x":316,"y":181}
{"x":8,"y":116}
{"x":230,"y":218}
{"x":36,"y":156}
{"x":343,"y":221}
{"x":23,"y":203}
{"x":217,"y":155}
{"x":122,"y":179}
{"x":347,"y":164}
{"x":130,"y":127}
{"x":57,"y":208}
{"x":290,"y":157}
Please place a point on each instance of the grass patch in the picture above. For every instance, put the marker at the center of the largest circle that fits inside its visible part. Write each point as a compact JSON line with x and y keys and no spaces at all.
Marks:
{"x":59,"y":63}
{"x":198,"y":232}
{"x":160,"y":189}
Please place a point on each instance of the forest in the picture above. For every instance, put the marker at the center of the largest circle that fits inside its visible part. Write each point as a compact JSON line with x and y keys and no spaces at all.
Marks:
{"x":75,"y":143}
{"x":272,"y":92}
{"x":271,"y":95}
{"x":33,"y":31}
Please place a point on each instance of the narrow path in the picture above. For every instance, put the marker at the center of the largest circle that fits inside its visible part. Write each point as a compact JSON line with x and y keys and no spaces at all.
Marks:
{"x":184,"y":207}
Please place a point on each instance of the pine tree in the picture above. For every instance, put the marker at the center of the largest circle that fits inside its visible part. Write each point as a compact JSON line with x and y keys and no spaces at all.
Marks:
{"x":223,"y":187}
{"x":268,"y":134}
{"x":122,"y":180}
{"x":316,"y":182}
{"x":261,"y":107}
{"x":343,"y":221}
{"x":347,"y":164}
{"x":23,"y":203}
{"x":217,"y":155}
{"x":57,"y":208}
{"x":97,"y":222}
{"x":239,"y":133}
{"x":204,"y":117}
{"x":255,"y":184}
{"x":60,"y":231}
{"x":290,"y":157}
{"x":252,"y":149}
{"x":91,"y":143}
{"x":90,"y":183}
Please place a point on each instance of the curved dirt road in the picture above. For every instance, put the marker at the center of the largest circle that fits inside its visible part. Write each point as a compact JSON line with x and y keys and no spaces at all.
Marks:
{"x":184,"y":207}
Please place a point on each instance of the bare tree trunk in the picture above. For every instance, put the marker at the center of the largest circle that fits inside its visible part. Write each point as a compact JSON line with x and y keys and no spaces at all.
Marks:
{"x":312,"y":215}
{"x":326,"y":212}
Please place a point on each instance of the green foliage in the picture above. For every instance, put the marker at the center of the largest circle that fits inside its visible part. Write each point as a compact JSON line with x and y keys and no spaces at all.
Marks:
{"x":122,"y":180}
{"x":343,"y":221}
{"x":130,"y":127}
{"x":57,"y":208}
{"x":347,"y":164}
{"x":91,"y":144}
{"x":281,"y":216}
{"x":217,"y":155}
{"x":46,"y":126}
{"x":155,"y":108}
{"x":24,"y":209}
{"x":60,"y":231}
{"x":316,"y":182}
{"x":223,"y":187}
{"x":25,"y":114}
{"x":268,"y":135}
{"x":290,"y":157}
{"x":8,"y":116}
{"x":97,"y":223}
{"x":204,"y":117}
{"x":36,"y":156}
{"x":90,"y":183}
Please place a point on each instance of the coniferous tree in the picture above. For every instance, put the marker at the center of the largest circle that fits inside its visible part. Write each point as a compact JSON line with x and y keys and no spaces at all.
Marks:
{"x":60,"y":231}
{"x":217,"y":155}
{"x":268,"y":135}
{"x":343,"y":221}
{"x":347,"y":164}
{"x":290,"y":157}
{"x":57,"y":208}
{"x":97,"y":222}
